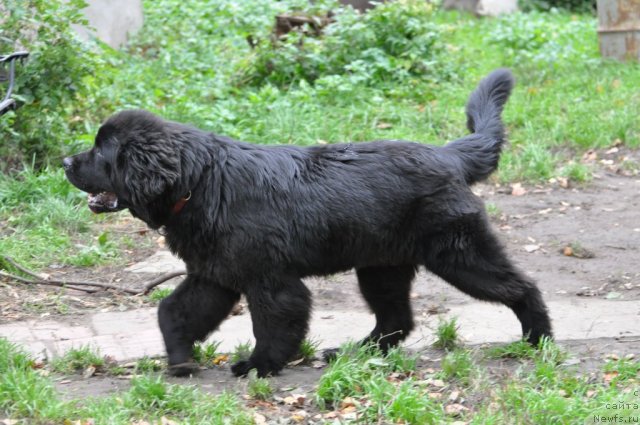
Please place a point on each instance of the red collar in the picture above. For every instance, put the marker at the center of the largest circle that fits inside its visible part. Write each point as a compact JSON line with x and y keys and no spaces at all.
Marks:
{"x":177,"y":207}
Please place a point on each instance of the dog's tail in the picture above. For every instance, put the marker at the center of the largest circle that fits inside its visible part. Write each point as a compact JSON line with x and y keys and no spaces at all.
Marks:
{"x":479,"y":152}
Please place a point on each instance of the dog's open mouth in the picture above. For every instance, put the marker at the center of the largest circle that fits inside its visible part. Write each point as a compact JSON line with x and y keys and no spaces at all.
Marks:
{"x":103,"y":202}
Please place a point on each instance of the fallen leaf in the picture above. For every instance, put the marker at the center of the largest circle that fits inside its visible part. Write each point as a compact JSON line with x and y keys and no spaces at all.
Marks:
{"x":89,"y":372}
{"x":259,"y":419}
{"x":567,"y":251}
{"x":222,"y":358}
{"x":384,"y":125}
{"x":299,"y":416}
{"x":590,"y":156}
{"x":455,"y":409}
{"x":517,"y":189}
{"x":609,"y":376}
{"x":454,"y":395}
{"x":347,"y":402}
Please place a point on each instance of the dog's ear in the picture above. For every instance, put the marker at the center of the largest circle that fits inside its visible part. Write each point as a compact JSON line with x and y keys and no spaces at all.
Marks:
{"x":149,"y":164}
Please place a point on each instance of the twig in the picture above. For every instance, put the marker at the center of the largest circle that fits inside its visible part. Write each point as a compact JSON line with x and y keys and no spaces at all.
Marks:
{"x":160,"y":279}
{"x":78,"y":285}
{"x":44,"y":282}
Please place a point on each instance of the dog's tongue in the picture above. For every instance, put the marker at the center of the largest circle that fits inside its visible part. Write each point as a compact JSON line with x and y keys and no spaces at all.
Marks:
{"x":102,"y":202}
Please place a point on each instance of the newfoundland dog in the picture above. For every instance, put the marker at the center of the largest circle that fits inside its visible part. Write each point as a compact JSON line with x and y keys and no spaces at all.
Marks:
{"x":255,"y":220}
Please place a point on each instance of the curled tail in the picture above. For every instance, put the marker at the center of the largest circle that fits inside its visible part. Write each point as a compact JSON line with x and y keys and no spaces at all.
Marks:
{"x":479,"y":152}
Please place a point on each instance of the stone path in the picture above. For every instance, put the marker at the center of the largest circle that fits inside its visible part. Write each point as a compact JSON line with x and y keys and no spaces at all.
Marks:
{"x":133,"y":334}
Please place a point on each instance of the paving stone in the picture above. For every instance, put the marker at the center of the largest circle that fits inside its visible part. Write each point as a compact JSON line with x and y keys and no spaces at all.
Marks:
{"x":50,"y":330}
{"x":160,"y":262}
{"x":19,"y":332}
{"x":129,"y":322}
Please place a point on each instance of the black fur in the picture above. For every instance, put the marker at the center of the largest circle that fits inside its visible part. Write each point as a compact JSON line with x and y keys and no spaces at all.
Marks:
{"x":260,"y":218}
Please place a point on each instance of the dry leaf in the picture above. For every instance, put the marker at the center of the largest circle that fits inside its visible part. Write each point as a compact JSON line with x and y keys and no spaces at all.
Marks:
{"x":89,"y":372}
{"x":384,"y":125}
{"x":590,"y":156}
{"x":454,"y":409}
{"x":609,"y":376}
{"x":517,"y":189}
{"x":222,"y":358}
{"x":567,"y":251}
{"x":259,"y":419}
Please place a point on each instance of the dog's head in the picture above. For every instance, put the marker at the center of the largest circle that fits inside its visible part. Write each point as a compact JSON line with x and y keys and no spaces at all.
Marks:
{"x":135,"y":163}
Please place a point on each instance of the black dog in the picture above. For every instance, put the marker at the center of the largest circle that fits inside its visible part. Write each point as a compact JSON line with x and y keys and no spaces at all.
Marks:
{"x":254,"y":220}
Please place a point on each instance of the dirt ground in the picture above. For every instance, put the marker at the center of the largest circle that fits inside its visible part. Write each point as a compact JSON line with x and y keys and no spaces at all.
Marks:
{"x":574,"y":240}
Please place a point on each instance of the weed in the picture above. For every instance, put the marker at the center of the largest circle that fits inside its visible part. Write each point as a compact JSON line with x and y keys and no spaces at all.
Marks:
{"x":23,"y":392}
{"x":205,"y":354}
{"x":159,"y":294}
{"x":308,"y":349}
{"x":147,"y":364}
{"x":577,"y":172}
{"x":514,"y":350}
{"x":622,"y":370}
{"x":241,"y":351}
{"x":493,"y":210}
{"x":258,"y":388}
{"x":78,"y":359}
{"x":410,"y":405}
{"x":447,"y":335}
{"x":458,"y":365}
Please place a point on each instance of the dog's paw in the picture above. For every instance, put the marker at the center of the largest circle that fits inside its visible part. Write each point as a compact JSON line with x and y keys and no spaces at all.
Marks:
{"x":183,"y":369}
{"x":243,"y":367}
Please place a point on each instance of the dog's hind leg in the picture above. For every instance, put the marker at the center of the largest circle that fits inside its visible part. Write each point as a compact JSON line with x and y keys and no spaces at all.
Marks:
{"x":470,"y":258}
{"x":386,"y":290}
{"x":280,"y":308}
{"x":194,"y":309}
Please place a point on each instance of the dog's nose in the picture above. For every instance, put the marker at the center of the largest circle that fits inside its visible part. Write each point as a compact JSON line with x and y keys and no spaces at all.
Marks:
{"x":67,"y":163}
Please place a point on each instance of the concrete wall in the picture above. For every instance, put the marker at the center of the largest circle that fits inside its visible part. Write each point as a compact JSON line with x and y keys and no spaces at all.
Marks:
{"x":483,"y":7}
{"x":112,"y":21}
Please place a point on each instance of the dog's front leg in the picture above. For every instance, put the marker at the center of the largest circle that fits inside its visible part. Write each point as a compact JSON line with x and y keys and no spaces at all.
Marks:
{"x":189,"y":314}
{"x":280,"y":309}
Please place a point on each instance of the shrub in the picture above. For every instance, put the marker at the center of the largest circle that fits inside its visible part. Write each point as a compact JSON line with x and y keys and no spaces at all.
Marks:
{"x":391,"y":42}
{"x":54,"y":84}
{"x":577,"y":6}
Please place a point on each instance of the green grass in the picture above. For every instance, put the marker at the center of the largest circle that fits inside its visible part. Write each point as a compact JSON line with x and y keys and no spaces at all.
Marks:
{"x":241,"y":351}
{"x":567,"y":99}
{"x":205,"y":354}
{"x":25,"y":393}
{"x":447,"y":334}
{"x":308,"y":349}
{"x":457,"y":365}
{"x":159,"y":294}
{"x":382,"y":389}
{"x":77,"y":360}
{"x":258,"y":388}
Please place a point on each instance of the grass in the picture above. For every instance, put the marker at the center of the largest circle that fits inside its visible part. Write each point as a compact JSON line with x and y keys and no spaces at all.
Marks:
{"x":78,"y":359}
{"x":258,"y":388}
{"x":206,"y":354}
{"x":308,"y":350}
{"x":562,"y":83}
{"x":457,"y":365}
{"x":241,"y":351}
{"x":378,"y":388}
{"x":447,"y":334}
{"x":26,"y":393}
